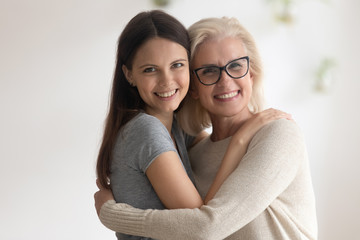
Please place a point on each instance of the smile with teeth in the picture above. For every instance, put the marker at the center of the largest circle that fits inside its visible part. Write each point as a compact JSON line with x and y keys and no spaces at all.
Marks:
{"x":228,"y":95}
{"x":166,"y":94}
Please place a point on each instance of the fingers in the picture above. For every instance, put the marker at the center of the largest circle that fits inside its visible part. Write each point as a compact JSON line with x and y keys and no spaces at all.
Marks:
{"x":281,"y":114}
{"x":272,"y":113}
{"x":102,"y":196}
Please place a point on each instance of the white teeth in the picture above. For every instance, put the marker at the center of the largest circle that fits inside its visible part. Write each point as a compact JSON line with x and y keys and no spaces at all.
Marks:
{"x":167,"y":94}
{"x":228,"y":95}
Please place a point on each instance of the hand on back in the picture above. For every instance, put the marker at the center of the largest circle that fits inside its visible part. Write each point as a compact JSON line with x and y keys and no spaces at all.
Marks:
{"x":102,"y":196}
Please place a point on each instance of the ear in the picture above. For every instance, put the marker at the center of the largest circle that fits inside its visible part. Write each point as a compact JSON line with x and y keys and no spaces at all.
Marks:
{"x":128,"y":75}
{"x":251,"y":79}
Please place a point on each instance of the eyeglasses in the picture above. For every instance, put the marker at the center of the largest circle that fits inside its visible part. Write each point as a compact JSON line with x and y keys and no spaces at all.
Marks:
{"x":210,"y":75}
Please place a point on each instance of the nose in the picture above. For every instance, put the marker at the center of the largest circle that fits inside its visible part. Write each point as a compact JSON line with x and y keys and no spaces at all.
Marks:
{"x":165,"y":78}
{"x":224,"y":78}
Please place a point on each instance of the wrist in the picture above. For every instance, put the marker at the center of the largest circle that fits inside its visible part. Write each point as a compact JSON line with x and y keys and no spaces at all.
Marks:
{"x":240,"y":140}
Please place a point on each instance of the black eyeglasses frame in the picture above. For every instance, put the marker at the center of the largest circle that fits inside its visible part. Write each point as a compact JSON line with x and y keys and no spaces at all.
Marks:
{"x":221,"y":69}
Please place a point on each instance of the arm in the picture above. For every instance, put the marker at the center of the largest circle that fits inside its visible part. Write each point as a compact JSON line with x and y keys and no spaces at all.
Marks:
{"x":171,"y":182}
{"x":266,"y":170}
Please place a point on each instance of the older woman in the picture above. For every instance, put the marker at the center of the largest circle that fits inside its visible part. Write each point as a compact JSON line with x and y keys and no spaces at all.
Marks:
{"x":269,"y":195}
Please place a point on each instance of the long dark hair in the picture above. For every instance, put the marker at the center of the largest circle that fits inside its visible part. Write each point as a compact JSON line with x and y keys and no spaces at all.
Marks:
{"x":125,"y":101}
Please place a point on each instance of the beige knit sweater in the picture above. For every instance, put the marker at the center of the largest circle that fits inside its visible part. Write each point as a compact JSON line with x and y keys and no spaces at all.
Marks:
{"x":269,"y":195}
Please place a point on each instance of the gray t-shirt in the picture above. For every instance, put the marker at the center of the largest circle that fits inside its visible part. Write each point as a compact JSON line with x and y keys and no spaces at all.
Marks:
{"x":140,"y":142}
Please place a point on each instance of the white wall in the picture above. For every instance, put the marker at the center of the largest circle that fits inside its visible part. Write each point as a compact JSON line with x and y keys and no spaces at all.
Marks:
{"x":56,"y":64}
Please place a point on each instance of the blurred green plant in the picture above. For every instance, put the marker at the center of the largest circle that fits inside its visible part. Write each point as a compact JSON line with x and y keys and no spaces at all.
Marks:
{"x":161,"y":3}
{"x":282,"y":10}
{"x":325,"y":75}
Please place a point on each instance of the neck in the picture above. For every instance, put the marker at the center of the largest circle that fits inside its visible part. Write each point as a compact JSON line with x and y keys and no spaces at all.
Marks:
{"x":224,"y":127}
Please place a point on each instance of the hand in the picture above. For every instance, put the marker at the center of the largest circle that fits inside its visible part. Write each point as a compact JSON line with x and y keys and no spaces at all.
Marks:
{"x":102,"y":196}
{"x":257,"y":121}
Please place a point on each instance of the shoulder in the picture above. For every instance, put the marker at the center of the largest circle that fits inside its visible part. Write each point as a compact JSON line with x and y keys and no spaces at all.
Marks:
{"x":281,"y":126}
{"x":143,"y":119}
{"x":144,"y":124}
{"x":144,"y":129}
{"x":281,"y":132}
{"x":143,"y":139}
{"x":279,"y":143}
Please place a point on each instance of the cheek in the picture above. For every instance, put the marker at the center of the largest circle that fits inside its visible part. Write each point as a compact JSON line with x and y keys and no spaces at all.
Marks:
{"x":145,"y":86}
{"x":250,"y":87}
{"x":246,"y":84}
{"x":205,"y":94}
{"x":142,"y":93}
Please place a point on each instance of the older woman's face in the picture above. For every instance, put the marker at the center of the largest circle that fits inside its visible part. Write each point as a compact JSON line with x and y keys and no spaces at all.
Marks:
{"x":229,"y":96}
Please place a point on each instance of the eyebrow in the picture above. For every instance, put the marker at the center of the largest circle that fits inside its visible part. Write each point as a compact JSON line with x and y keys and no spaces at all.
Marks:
{"x":214,"y":65}
{"x":209,"y":65}
{"x":147,"y":65}
{"x":179,"y":60}
{"x":153,"y":65}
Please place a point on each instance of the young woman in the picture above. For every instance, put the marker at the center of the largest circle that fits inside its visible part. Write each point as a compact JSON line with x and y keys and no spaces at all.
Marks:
{"x":143,"y":154}
{"x":269,"y":195}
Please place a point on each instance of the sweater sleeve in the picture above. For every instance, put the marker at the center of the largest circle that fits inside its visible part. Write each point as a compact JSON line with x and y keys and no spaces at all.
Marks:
{"x":269,"y":166}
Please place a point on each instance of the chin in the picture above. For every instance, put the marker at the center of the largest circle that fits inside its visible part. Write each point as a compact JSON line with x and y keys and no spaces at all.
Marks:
{"x":230,"y":112}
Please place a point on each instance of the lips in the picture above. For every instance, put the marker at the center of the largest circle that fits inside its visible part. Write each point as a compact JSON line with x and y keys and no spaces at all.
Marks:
{"x":166,"y":94}
{"x":227,"y":95}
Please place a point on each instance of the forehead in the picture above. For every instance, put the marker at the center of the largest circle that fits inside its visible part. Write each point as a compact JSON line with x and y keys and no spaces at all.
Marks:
{"x":218,"y":51}
{"x":157,"y":50}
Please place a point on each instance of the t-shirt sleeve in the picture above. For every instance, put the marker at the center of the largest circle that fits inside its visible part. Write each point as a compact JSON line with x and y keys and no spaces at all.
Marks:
{"x":146,"y":139}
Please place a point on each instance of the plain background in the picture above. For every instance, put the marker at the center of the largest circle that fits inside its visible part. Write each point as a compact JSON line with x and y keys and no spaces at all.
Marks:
{"x":56,"y":66}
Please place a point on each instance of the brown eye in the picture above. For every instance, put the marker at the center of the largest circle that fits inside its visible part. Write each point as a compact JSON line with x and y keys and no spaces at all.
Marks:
{"x":209,"y":71}
{"x":149,"y":70}
{"x":177,"y":65}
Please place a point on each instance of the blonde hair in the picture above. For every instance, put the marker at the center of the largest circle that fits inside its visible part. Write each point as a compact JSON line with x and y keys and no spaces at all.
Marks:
{"x":193,"y":117}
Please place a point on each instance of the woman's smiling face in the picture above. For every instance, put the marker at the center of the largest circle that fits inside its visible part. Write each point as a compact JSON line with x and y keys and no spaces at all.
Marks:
{"x":229,"y":96}
{"x":160,"y":71}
